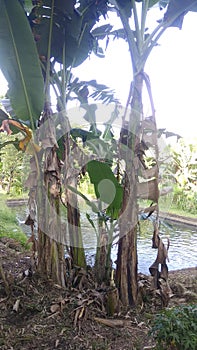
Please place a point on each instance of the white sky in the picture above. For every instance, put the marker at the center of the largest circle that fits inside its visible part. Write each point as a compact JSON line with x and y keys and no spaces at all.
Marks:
{"x":172,"y":68}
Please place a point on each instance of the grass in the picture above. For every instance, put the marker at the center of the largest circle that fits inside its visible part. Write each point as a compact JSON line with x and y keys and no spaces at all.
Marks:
{"x":4,"y":196}
{"x":180,"y":212}
{"x":9,"y":226}
{"x":167,"y":206}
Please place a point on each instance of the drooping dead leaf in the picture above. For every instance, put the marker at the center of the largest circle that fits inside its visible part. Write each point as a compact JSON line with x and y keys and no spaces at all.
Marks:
{"x":5,"y":127}
{"x":148,"y":124}
{"x":148,"y":190}
{"x":155,"y":238}
{"x":29,"y":221}
{"x":32,"y":148}
{"x":149,"y":131}
{"x":52,"y":163}
{"x":149,"y":173}
{"x":160,"y":278}
{"x":140,"y":149}
{"x":47,"y":133}
{"x":26,"y":140}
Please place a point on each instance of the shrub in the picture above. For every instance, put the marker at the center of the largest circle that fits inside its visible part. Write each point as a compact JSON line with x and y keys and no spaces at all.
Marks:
{"x":176,"y":328}
{"x":185,"y":200}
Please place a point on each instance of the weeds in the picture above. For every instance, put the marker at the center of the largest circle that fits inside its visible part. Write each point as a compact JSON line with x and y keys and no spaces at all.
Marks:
{"x":176,"y":328}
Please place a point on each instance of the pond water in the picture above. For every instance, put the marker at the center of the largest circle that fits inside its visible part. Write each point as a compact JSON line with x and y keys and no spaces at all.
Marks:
{"x":182,"y":251}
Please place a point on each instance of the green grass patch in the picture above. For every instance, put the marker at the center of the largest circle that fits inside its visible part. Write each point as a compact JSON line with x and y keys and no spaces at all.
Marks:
{"x":167,"y":206}
{"x":4,"y":196}
{"x":9,"y":226}
{"x":174,"y":210}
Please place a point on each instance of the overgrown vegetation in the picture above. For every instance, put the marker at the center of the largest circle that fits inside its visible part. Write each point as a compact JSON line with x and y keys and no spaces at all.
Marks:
{"x":176,"y":328}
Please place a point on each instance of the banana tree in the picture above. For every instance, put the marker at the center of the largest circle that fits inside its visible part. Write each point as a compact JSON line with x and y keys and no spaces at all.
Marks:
{"x":72,"y":38}
{"x":61,"y":34}
{"x":139,"y":134}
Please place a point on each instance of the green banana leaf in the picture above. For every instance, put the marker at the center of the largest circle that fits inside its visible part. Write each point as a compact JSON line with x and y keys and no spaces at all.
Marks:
{"x":19,"y":62}
{"x":176,"y":11}
{"x":106,"y":186}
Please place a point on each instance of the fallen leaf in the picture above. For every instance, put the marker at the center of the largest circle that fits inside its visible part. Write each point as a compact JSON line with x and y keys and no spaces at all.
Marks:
{"x":16,"y":305}
{"x":55,"y":308}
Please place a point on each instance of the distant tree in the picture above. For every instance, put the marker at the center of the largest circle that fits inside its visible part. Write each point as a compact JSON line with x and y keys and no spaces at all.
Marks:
{"x":12,"y":166}
{"x":184,"y":171}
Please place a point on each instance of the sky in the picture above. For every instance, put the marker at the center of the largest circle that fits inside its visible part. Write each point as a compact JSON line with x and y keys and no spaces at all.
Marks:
{"x":172,"y":68}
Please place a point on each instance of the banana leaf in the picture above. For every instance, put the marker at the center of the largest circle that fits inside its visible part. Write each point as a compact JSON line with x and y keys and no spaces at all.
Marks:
{"x":106,"y":186}
{"x":176,"y":11}
{"x":19,"y":62}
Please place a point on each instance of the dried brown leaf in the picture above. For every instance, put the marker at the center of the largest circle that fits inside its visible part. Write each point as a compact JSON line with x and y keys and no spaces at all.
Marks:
{"x":149,"y":173}
{"x":55,"y":308}
{"x":16,"y":305}
{"x":148,"y":190}
{"x":5,"y":127}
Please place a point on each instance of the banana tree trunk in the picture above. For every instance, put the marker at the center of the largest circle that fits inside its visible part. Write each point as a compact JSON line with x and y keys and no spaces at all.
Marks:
{"x":74,"y":228}
{"x":100,"y":265}
{"x":126,"y":275}
{"x":50,"y":240}
{"x":73,"y":213}
{"x":44,"y":182}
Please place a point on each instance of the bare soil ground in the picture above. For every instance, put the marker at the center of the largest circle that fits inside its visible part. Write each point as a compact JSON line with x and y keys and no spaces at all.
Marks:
{"x":36,"y":314}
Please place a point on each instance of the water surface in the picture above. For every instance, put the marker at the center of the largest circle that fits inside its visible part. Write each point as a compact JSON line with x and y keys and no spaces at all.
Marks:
{"x":182,"y":251}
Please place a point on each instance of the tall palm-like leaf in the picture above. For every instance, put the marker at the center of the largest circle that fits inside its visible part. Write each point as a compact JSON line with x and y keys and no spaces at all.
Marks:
{"x":19,"y":62}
